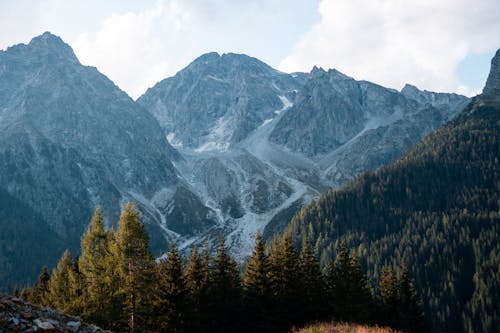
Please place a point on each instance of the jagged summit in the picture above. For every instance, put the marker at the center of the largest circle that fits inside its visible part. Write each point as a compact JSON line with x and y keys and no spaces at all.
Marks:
{"x":492,"y":87}
{"x":226,"y":63}
{"x":46,"y":46}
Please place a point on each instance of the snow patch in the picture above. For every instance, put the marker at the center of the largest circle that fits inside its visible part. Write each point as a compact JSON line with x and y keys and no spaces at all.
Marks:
{"x":174,"y":142}
{"x":286,"y":104}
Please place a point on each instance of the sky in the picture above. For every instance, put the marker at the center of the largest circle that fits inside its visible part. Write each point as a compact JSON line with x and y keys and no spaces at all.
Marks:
{"x":437,"y":45}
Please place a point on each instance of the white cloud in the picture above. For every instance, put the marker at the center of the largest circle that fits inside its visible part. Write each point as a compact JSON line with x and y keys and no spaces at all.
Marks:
{"x":138,"y":48}
{"x":126,"y":49}
{"x":392,"y":42}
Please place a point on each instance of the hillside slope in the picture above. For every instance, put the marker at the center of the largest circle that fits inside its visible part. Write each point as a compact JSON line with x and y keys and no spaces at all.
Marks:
{"x":437,"y":210}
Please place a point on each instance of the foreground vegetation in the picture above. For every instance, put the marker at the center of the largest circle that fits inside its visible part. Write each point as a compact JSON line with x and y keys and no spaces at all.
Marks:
{"x":342,"y":328}
{"x":117,"y":284}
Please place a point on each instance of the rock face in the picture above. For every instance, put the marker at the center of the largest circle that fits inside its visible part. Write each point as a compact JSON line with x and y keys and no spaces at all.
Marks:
{"x":492,"y":88}
{"x":257,"y":144}
{"x":72,"y":140}
{"x":19,"y":316}
{"x":217,"y":100}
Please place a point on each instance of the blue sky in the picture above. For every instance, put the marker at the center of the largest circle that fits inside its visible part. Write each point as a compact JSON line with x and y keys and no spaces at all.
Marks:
{"x":441,"y":45}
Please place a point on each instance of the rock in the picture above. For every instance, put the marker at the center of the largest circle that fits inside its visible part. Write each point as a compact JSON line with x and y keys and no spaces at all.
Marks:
{"x":13,"y":319}
{"x":73,"y":325}
{"x":492,"y":87}
{"x":44,"y":325}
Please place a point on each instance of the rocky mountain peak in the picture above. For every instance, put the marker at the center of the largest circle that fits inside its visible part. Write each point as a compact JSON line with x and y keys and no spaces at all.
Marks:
{"x":52,"y":47}
{"x":492,"y":87}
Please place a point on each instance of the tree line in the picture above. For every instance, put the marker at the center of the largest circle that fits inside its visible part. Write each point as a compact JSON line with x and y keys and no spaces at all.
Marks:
{"x":437,"y":208}
{"x":117,"y":284}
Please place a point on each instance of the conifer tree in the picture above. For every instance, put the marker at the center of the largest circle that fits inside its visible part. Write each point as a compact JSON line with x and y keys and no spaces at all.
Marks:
{"x":136,"y":267}
{"x":60,"y":294}
{"x":197,"y":284}
{"x":388,"y":287}
{"x":40,"y":291}
{"x":93,"y":264}
{"x":361,"y":296}
{"x":411,"y":314}
{"x":257,"y":288}
{"x":313,"y":285}
{"x":286,"y":280}
{"x":338,"y":285}
{"x":225,"y":292}
{"x":171,"y":303}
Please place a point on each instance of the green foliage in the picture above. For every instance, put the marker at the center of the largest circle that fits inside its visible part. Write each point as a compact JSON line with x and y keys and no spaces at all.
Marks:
{"x":135,"y":266}
{"x":94,"y":265}
{"x":60,"y":288}
{"x":436,"y":208}
{"x":171,"y":301}
{"x":117,"y":284}
{"x":257,"y":288}
{"x":350,"y":296}
{"x":39,"y":294}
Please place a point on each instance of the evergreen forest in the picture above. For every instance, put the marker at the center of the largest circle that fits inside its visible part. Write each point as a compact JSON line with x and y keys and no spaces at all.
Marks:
{"x":437,"y":210}
{"x":117,"y":284}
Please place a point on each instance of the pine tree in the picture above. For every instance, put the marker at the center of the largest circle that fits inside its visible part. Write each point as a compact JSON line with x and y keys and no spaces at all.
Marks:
{"x":361,"y":296}
{"x":257,"y":288}
{"x":60,"y":295}
{"x":93,"y":264}
{"x":196,"y":283}
{"x":40,"y":291}
{"x":286,"y":281}
{"x":171,"y":302}
{"x":411,"y":314}
{"x":388,"y":287}
{"x":225,"y":292}
{"x":313,"y":285}
{"x":136,"y":267}
{"x":338,"y":285}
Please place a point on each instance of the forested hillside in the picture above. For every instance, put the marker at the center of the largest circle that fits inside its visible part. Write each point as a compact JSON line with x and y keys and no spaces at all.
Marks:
{"x":437,"y":210}
{"x":117,"y":284}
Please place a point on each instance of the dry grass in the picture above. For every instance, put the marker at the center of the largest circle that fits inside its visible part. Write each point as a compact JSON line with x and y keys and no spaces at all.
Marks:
{"x":343,"y":328}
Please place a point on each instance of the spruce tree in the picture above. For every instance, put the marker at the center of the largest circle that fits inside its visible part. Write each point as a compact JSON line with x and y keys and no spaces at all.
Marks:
{"x":93,"y":266}
{"x":411,"y":314}
{"x":257,"y":288}
{"x":388,"y":287}
{"x":197,"y":283}
{"x":171,"y":302}
{"x":360,"y":293}
{"x":136,"y":267}
{"x":338,"y":285}
{"x":40,"y":291}
{"x":60,"y":294}
{"x":286,"y":279}
{"x":314,"y":299}
{"x":225,"y":292}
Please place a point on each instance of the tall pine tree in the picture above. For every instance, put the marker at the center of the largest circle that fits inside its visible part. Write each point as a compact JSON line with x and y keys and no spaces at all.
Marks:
{"x":136,"y":268}
{"x":94,"y":265}
{"x":60,"y":293}
{"x":313,"y":285}
{"x":171,"y":302}
{"x":257,"y":288}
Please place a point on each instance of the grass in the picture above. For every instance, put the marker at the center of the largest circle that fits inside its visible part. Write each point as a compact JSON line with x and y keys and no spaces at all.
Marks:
{"x":334,"y":327}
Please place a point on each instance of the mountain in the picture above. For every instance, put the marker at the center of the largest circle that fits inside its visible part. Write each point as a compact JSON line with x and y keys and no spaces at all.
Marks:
{"x":227,"y":146}
{"x":72,"y":140}
{"x":217,"y":100}
{"x":436,"y":210}
{"x":257,"y":144}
